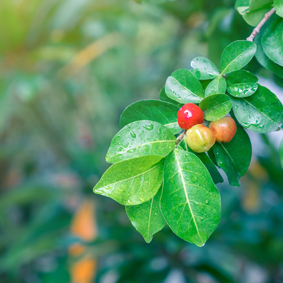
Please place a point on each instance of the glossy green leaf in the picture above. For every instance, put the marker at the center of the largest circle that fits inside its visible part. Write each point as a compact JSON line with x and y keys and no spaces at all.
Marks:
{"x":147,"y":217}
{"x":272,"y":40}
{"x":163,"y":97}
{"x":215,"y":106}
{"x":278,"y":6}
{"x":184,"y":87}
{"x":242,"y":3}
{"x":234,"y":157}
{"x":257,"y":4}
{"x":254,"y":17}
{"x":214,"y":173}
{"x":190,"y":202}
{"x":140,"y":138}
{"x":133,"y":181}
{"x":265,"y":61}
{"x":261,"y":112}
{"x":241,"y":83}
{"x":154,"y":110}
{"x":253,"y":11}
{"x":204,"y":68}
{"x":237,"y":55}
{"x":217,"y":86}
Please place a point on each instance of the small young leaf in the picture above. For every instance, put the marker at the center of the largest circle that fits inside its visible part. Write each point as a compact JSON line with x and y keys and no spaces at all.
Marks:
{"x":237,"y":55}
{"x":272,"y":40}
{"x":204,"y":68}
{"x":146,"y":217}
{"x":215,"y":106}
{"x":133,"y":181}
{"x":265,"y":61}
{"x":214,"y":173}
{"x":184,"y":87}
{"x":261,"y":112}
{"x":278,"y":6}
{"x":163,"y":97}
{"x":234,"y":157}
{"x":217,"y":86}
{"x":153,"y":110}
{"x":241,"y":83}
{"x":190,"y":202}
{"x":140,"y":138}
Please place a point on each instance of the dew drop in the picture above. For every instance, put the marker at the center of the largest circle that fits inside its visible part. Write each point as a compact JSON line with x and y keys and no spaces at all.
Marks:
{"x":148,"y":127}
{"x":133,"y":135}
{"x":206,"y":201}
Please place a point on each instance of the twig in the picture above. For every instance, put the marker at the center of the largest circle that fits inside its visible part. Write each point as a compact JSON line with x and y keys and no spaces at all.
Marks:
{"x":180,"y":138}
{"x":260,"y":25}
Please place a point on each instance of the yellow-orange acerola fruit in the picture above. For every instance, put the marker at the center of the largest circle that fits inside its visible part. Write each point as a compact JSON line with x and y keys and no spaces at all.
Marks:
{"x":224,"y":129}
{"x":200,"y":138}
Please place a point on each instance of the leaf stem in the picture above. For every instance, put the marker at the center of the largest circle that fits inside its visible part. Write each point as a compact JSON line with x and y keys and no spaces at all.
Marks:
{"x":180,"y":138}
{"x":260,"y":25}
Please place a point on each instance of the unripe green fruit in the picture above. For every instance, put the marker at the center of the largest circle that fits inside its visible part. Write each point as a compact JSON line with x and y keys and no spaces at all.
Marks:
{"x":200,"y":138}
{"x":224,"y":129}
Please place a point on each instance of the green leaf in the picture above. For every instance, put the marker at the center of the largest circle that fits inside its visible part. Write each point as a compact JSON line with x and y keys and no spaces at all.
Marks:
{"x":261,"y":112}
{"x":217,"y":86}
{"x":190,"y":202}
{"x":204,"y":68}
{"x":215,"y":106}
{"x":184,"y":87}
{"x":140,"y":138}
{"x":146,"y":217}
{"x":164,"y":97}
{"x":234,"y":157}
{"x":154,"y":110}
{"x":257,"y":4}
{"x":265,"y":61}
{"x":272,"y":40}
{"x":241,"y":83}
{"x":278,"y":6}
{"x":214,"y":173}
{"x":133,"y":181}
{"x":242,"y":3}
{"x":254,"y":17}
{"x":237,"y":55}
{"x":253,"y":11}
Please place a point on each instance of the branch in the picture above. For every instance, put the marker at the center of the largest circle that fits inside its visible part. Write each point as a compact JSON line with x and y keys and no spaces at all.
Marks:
{"x":180,"y":138}
{"x":260,"y":25}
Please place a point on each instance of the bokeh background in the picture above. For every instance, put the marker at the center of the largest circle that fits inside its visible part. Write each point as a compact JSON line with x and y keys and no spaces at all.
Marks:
{"x":68,"y":68}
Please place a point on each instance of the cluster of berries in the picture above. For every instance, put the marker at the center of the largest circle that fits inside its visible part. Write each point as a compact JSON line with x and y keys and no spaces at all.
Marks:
{"x":199,"y":137}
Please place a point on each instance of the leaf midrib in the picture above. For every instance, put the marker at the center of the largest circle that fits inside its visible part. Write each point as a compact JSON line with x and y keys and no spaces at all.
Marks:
{"x":223,"y":72}
{"x":124,"y":180}
{"x":212,"y":108}
{"x":141,"y":145}
{"x":185,"y":88}
{"x":260,"y":111}
{"x":188,"y":202}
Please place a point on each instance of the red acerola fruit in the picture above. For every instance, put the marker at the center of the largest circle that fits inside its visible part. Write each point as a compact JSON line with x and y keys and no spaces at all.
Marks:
{"x":189,"y":115}
{"x":224,"y":129}
{"x":200,"y":138}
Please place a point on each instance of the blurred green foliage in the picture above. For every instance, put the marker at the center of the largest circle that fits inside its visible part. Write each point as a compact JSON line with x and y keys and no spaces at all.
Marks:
{"x":67,"y":70}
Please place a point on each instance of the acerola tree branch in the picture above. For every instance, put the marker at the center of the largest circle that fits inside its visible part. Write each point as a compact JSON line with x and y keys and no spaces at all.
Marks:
{"x":180,"y":138}
{"x":260,"y":25}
